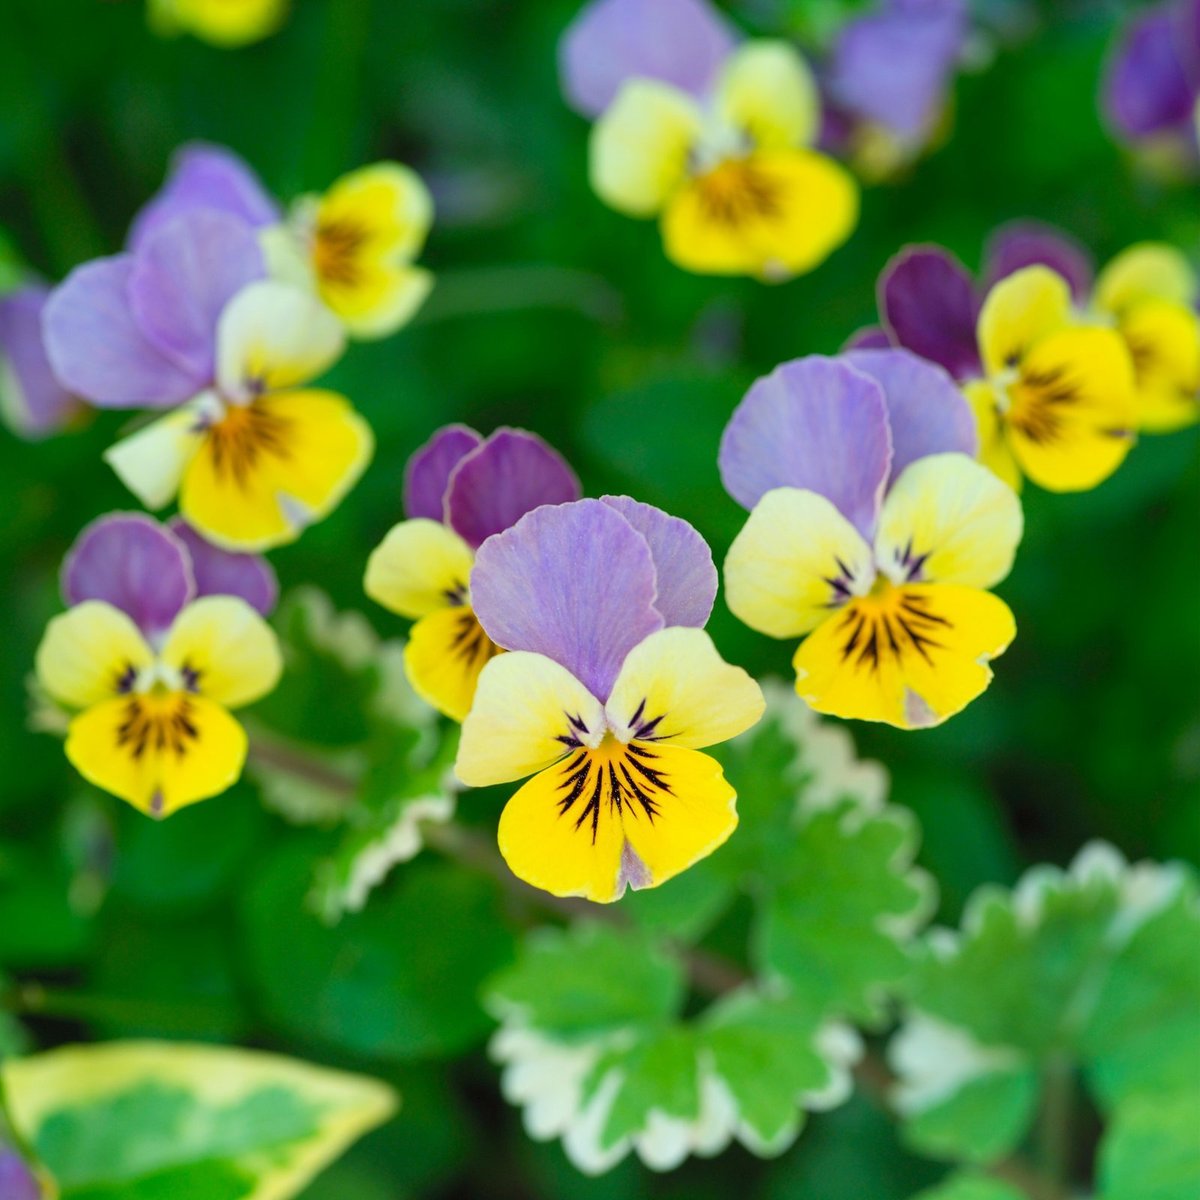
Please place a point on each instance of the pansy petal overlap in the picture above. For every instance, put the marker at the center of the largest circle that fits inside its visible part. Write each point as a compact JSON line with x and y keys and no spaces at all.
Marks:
{"x":816,"y":424}
{"x":220,"y":572}
{"x":427,"y":474}
{"x":1021,"y":244}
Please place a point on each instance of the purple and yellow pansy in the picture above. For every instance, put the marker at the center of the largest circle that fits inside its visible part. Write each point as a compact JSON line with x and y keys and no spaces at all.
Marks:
{"x":460,"y":488}
{"x":187,"y":322}
{"x":873,"y":534}
{"x":163,"y":636}
{"x":712,"y":137}
{"x":353,"y":246}
{"x":607,"y":694}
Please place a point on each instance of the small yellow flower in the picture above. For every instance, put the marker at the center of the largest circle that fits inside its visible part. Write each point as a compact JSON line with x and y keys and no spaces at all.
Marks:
{"x":153,"y":724}
{"x":1057,"y":402}
{"x":1150,"y":292}
{"x":735,"y":184}
{"x":225,"y":23}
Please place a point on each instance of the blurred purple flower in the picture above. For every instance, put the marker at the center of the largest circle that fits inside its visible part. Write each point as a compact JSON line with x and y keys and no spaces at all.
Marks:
{"x":892,"y":67}
{"x":152,"y":571}
{"x":1153,"y":80}
{"x":583,"y":583}
{"x":929,"y":303}
{"x":680,"y":42}
{"x":205,"y":177}
{"x":138,"y":330}
{"x":17,"y":1181}
{"x":32,"y":400}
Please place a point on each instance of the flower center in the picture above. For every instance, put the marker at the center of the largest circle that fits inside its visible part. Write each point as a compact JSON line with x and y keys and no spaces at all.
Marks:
{"x":336,"y":248}
{"x":613,"y":779}
{"x":887,"y":625}
{"x":243,"y":436}
{"x":736,"y":191}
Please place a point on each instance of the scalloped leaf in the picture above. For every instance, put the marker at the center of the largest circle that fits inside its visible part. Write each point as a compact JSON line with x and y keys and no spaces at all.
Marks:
{"x":1094,"y":968}
{"x":597,"y":1051}
{"x":152,"y":1120}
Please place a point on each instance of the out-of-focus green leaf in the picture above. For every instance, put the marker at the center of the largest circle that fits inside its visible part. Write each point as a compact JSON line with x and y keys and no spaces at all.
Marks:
{"x":1152,"y":1149}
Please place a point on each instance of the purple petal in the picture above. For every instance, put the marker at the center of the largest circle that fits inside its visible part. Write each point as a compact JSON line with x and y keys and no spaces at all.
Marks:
{"x":1029,"y":243}
{"x":494,"y":486}
{"x":428,"y":472}
{"x":98,"y":351}
{"x":928,"y":303}
{"x":681,"y":42}
{"x":222,"y":573}
{"x":892,"y":67}
{"x":870,"y":337}
{"x":184,"y":273}
{"x":683,"y":563}
{"x":205,"y":177}
{"x":33,"y":400}
{"x":1147,"y":88}
{"x":814,"y":423}
{"x":16,"y":1179}
{"x":574,"y":582}
{"x":927,"y":413}
{"x":130,"y":561}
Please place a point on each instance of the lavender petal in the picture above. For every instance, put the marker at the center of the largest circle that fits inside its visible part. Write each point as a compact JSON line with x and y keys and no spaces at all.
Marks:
{"x":427,"y":474}
{"x":220,"y":572}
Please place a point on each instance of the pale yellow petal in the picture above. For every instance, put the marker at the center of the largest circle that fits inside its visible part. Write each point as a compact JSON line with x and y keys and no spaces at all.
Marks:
{"x":948,"y":519}
{"x":795,"y":560}
{"x":675,"y":687}
{"x":91,"y":653}
{"x":1164,"y":341}
{"x":444,"y":655}
{"x":767,"y":92}
{"x":1019,"y":311}
{"x":224,"y":650}
{"x":639,"y":148}
{"x":527,"y":712}
{"x":1147,"y":271}
{"x":421,"y":566}
{"x":994,"y":450}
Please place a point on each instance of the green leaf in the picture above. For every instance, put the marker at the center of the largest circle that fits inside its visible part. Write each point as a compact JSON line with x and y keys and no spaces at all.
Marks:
{"x":1093,"y":968}
{"x":143,"y":1120}
{"x":830,"y":864}
{"x":399,"y":980}
{"x":970,"y":1185}
{"x":1152,"y":1149}
{"x":597,"y":1050}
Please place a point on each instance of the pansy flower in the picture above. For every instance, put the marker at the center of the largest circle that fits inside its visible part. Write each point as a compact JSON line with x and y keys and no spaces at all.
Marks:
{"x":1057,"y":399}
{"x":225,"y":23}
{"x":163,"y":637}
{"x":355,"y":245}
{"x":608,"y":694}
{"x":32,"y":401}
{"x":887,"y":81}
{"x":459,"y":489}
{"x":17,"y":1180}
{"x":712,"y":138}
{"x":1150,"y":292}
{"x":872,"y":534}
{"x":186,"y":322}
{"x":1152,"y":86}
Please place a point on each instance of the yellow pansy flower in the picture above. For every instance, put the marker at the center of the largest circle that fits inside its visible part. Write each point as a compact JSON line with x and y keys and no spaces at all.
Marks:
{"x":152,"y":721}
{"x":733,"y":180}
{"x":1150,"y":292}
{"x":1057,"y":402}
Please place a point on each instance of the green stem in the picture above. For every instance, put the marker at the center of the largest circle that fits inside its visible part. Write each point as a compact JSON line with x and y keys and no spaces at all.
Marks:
{"x":1055,"y":1120}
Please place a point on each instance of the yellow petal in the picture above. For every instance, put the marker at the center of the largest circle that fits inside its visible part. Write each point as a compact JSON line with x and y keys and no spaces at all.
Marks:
{"x":795,"y":559}
{"x":1147,"y":271}
{"x":1019,"y":311}
{"x":674,"y":687}
{"x":224,"y":650}
{"x":639,"y":148}
{"x":909,"y":656}
{"x":152,"y":462}
{"x":528,"y":712}
{"x":273,"y":336}
{"x":1073,"y":409}
{"x":91,"y":653}
{"x":617,"y":816}
{"x":159,"y":751}
{"x":773,"y":215}
{"x":273,"y":467}
{"x":382,"y":209}
{"x":420,"y":567}
{"x":225,"y":23}
{"x":948,"y":519}
{"x":379,"y":298}
{"x":767,"y":92}
{"x":445,"y":653}
{"x":1163,"y":339}
{"x":994,"y":451}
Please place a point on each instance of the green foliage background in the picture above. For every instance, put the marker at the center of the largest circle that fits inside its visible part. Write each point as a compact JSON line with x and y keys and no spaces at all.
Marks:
{"x":554,"y":314}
